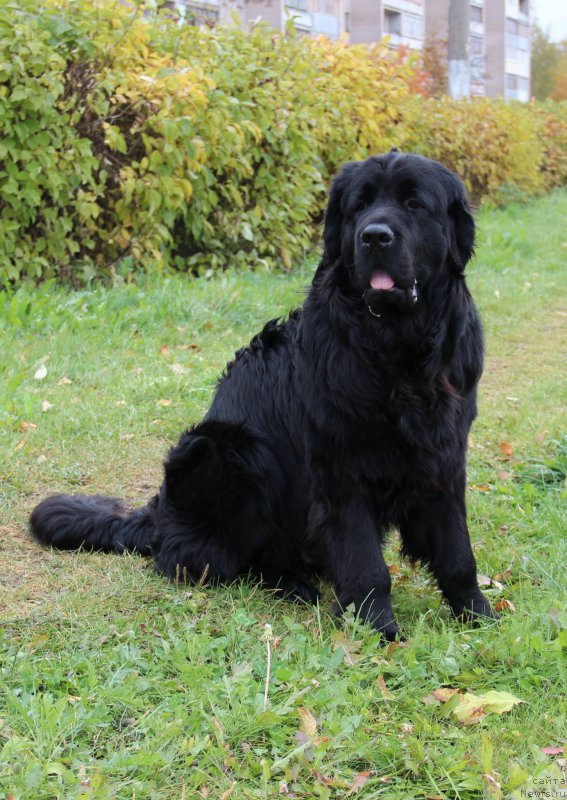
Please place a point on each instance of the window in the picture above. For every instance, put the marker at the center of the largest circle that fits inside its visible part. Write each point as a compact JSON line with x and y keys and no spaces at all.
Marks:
{"x":516,"y":87}
{"x":392,"y":22}
{"x":412,"y":26}
{"x":477,"y":58}
{"x":347,"y":21}
{"x":477,"y":45}
{"x":476,"y":14}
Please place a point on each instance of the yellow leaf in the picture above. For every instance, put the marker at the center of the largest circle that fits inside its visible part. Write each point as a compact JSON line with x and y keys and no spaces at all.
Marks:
{"x":473,"y":707}
{"x":384,"y":691}
{"x":308,"y":723}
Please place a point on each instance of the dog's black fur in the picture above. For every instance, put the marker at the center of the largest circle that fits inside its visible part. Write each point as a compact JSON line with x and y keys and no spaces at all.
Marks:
{"x":347,"y":419}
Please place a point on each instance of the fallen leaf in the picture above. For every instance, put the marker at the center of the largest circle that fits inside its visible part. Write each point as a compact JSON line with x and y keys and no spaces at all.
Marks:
{"x":188,"y":347}
{"x":20,"y":445}
{"x":473,"y":707}
{"x":164,"y":403}
{"x":393,"y":569}
{"x":46,"y":405}
{"x":506,"y":449}
{"x":164,"y":350}
{"x":64,"y":381}
{"x":481,"y":487}
{"x":322,"y":778}
{"x":504,"y":476}
{"x":470,"y":708}
{"x":228,"y":792}
{"x":308,"y":723}
{"x":384,"y":691}
{"x":26,"y":426}
{"x":552,"y":751}
{"x":349,"y":647}
{"x":493,"y":788}
{"x":360,"y":780}
{"x":502,"y":577}
{"x":489,"y":583}
{"x":444,"y":694}
{"x":505,"y":605}
{"x":391,"y":648}
{"x":40,"y":373}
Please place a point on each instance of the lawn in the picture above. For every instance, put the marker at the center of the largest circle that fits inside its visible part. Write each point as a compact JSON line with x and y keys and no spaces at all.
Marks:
{"x":116,"y":684}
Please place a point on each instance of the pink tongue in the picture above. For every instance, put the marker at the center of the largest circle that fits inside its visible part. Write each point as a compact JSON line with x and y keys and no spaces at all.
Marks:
{"x":381,"y":280}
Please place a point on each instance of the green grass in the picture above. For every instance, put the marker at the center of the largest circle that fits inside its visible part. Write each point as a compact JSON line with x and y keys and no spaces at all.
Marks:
{"x":116,"y":684}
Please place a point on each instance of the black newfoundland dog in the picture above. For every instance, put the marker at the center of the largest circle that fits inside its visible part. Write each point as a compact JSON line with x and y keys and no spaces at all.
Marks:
{"x":345,"y":420}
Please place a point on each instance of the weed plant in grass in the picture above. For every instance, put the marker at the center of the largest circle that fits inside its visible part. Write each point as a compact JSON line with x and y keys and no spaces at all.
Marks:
{"x":115,"y":684}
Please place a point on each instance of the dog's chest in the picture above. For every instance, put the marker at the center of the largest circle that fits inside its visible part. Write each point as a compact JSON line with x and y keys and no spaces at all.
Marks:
{"x":396,"y":434}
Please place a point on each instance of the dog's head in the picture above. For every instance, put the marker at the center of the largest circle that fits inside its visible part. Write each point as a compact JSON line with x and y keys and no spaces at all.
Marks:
{"x":395,"y":222}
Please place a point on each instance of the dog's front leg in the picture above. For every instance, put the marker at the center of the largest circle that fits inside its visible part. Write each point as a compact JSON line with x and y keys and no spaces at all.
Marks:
{"x":344,"y":529}
{"x":436,"y":533}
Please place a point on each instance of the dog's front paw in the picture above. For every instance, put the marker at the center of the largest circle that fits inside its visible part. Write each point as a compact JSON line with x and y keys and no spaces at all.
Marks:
{"x":474,"y":610}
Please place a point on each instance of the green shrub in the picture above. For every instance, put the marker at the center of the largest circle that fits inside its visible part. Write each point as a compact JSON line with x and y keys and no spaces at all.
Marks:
{"x":175,"y":146}
{"x":48,"y":173}
{"x":127,"y":141}
{"x":493,"y":145}
{"x":553,"y":121}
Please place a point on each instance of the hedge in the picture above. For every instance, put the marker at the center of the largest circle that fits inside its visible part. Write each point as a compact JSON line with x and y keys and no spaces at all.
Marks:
{"x":128,"y":141}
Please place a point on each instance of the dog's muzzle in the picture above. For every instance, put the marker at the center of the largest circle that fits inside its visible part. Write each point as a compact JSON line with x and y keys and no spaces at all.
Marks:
{"x":411,"y":294}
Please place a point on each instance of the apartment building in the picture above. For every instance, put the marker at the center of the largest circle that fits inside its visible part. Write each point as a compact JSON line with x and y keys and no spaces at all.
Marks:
{"x":402,"y":20}
{"x":499,"y":40}
{"x":499,"y":44}
{"x":508,"y":66}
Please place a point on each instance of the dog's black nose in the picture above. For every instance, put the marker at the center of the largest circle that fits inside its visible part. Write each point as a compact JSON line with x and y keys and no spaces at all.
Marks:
{"x":377,"y":234}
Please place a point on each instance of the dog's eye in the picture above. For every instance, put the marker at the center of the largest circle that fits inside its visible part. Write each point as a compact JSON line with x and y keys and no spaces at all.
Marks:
{"x":413,"y":204}
{"x":360,"y":206}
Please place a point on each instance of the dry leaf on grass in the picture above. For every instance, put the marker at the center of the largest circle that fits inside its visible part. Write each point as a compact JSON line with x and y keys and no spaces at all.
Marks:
{"x":469,"y":708}
{"x":384,"y":691}
{"x":26,"y":426}
{"x":359,"y":781}
{"x":505,"y":605}
{"x":349,"y":647}
{"x":228,"y":792}
{"x":308,"y":723}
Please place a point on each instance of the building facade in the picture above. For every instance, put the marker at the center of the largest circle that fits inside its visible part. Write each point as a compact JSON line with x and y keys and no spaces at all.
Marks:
{"x":499,"y":44}
{"x":499,"y":32}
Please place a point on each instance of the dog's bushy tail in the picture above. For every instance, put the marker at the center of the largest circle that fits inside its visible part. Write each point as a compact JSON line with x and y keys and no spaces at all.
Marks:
{"x":70,"y":522}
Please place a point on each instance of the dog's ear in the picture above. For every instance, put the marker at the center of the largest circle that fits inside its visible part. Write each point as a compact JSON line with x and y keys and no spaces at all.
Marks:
{"x":333,"y":231}
{"x":461,"y":228}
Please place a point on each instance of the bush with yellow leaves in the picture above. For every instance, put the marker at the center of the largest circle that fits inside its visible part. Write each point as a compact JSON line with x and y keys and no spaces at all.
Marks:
{"x":130,"y":141}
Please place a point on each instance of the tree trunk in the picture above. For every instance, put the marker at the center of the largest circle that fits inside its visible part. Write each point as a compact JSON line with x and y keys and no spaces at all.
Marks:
{"x":459,"y":67}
